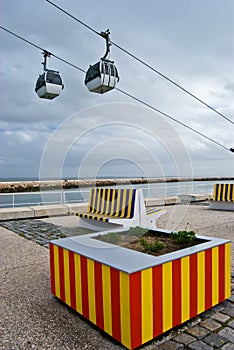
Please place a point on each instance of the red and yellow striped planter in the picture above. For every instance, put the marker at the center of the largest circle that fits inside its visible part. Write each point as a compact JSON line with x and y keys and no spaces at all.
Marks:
{"x":138,"y":304}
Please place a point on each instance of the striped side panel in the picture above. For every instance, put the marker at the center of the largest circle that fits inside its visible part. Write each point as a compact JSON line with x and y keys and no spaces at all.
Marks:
{"x":176,"y":295}
{"x":91,"y":290}
{"x":61,"y":274}
{"x":167,"y":295}
{"x":193,"y":272}
{"x":78,"y":288}
{"x":52,"y":269}
{"x":208,"y":279}
{"x":124,"y":287}
{"x":67,"y":292}
{"x":185,"y":289}
{"x":157,"y":300}
{"x":107,"y":305}
{"x":115,"y":303}
{"x":56,"y":271}
{"x":84,"y":286}
{"x":135,"y":289}
{"x":147,"y":304}
{"x":200,"y":282}
{"x":227,"y":270}
{"x":215,"y":275}
{"x":98,"y":294}
{"x":221,"y":272}
{"x":72,"y":279}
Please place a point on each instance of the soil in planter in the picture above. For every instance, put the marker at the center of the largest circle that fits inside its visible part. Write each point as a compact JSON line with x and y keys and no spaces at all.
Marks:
{"x":133,"y":240}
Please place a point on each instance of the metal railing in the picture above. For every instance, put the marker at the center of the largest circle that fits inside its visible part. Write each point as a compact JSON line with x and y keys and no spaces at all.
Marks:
{"x":19,"y":199}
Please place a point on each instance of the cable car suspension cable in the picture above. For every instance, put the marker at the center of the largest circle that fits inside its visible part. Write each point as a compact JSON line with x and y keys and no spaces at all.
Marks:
{"x":43,"y":50}
{"x":170,"y":117}
{"x":144,"y":63}
{"x":121,"y":91}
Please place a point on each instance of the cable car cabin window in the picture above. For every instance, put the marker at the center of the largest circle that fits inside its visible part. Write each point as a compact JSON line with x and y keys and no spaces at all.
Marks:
{"x":105,"y":67}
{"x":112,"y":70}
{"x":40,"y":81}
{"x":93,"y":72}
{"x":53,"y":78}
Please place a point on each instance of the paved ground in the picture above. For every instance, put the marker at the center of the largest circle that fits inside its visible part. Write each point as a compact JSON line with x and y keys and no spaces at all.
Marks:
{"x":32,"y":319}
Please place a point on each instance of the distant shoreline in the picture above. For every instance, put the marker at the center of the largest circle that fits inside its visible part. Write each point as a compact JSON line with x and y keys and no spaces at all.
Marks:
{"x":34,"y":186}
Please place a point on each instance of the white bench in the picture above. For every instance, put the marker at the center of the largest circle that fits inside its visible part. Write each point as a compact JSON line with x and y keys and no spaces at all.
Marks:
{"x":115,"y":206}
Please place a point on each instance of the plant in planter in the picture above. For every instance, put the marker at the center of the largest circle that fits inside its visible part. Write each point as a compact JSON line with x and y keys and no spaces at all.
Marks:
{"x":151,"y":247}
{"x":133,"y":296}
{"x":183,"y":237}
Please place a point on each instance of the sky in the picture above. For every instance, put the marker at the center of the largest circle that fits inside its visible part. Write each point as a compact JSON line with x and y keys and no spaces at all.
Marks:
{"x":86,"y":135}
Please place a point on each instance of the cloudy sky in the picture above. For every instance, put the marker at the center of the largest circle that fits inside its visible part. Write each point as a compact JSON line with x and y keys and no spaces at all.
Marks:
{"x":83,"y":134}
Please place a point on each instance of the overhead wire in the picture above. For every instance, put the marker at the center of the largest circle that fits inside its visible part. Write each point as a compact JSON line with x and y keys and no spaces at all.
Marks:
{"x":170,"y":117}
{"x":143,"y":62}
{"x":40,"y":48}
{"x":120,"y":90}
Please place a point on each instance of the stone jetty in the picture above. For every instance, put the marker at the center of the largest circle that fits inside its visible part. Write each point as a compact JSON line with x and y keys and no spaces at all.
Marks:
{"x":34,"y":186}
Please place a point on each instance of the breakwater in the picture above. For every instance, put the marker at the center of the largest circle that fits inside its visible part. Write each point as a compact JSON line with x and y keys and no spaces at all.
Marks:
{"x":35,"y":186}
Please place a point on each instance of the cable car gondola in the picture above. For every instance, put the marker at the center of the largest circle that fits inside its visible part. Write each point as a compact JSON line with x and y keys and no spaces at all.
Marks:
{"x":102,"y":76}
{"x":49,"y":84}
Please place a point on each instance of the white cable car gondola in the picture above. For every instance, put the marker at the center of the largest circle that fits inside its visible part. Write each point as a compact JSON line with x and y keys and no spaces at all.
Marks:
{"x":49,"y":84}
{"x":102,"y":76}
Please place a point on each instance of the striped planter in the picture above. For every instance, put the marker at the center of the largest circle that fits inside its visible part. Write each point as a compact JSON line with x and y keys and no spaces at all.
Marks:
{"x":145,"y":296}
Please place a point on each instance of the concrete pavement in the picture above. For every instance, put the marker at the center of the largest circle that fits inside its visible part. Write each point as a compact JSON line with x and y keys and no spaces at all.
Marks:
{"x":31,"y":318}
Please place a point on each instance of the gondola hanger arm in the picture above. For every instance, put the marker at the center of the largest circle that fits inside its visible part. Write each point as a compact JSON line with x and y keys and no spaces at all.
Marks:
{"x":106,"y":36}
{"x":45,"y":55}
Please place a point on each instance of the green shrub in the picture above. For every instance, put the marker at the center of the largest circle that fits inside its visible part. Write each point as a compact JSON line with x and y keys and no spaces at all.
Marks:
{"x":151,"y":247}
{"x":182,"y":237}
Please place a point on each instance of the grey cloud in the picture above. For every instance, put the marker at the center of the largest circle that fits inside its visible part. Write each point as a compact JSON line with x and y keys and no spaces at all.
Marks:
{"x":178,"y":38}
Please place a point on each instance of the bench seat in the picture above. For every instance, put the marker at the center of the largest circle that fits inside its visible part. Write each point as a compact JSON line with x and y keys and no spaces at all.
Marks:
{"x":121,"y":206}
{"x":223,"y":197}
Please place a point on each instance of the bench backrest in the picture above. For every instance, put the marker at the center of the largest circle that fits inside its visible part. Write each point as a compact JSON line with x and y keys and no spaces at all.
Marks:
{"x":112,"y":202}
{"x":223,"y":192}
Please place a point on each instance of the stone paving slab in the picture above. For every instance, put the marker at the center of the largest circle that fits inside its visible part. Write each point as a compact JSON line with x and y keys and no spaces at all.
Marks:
{"x":31,"y":318}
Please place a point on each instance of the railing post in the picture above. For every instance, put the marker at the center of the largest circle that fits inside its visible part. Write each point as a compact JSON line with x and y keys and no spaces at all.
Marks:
{"x":13,"y":200}
{"x":63,"y":197}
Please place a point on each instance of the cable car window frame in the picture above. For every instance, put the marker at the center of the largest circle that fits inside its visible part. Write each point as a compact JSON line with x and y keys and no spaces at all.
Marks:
{"x":53,"y":77}
{"x":40,"y":82}
{"x":93,"y":72}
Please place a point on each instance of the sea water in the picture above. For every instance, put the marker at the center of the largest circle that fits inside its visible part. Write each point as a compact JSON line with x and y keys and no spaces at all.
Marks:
{"x":22,"y":199}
